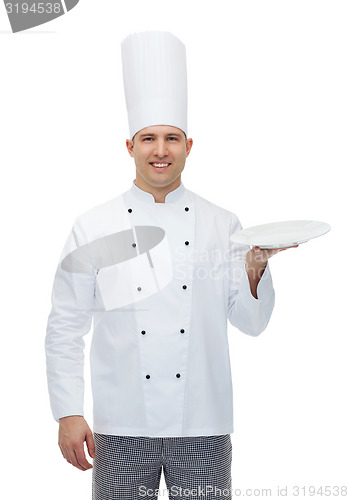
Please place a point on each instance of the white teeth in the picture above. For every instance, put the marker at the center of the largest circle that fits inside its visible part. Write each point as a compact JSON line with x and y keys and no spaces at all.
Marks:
{"x":159,"y":165}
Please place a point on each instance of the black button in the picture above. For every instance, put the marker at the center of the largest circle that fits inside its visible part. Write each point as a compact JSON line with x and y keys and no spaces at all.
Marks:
{"x":143,"y":332}
{"x":147,"y":376}
{"x":182,"y":330}
{"x":187,"y":242}
{"x":130,"y":210}
{"x":184,"y":287}
{"x":186,"y":209}
{"x":133,"y":244}
{"x":178,"y":375}
{"x":139,"y":289}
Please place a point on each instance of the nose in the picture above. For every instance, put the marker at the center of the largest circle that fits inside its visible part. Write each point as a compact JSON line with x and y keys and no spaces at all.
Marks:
{"x":160,"y":148}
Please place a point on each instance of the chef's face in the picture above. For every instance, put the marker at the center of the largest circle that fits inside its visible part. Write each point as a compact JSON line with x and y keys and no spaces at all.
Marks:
{"x":160,"y":153}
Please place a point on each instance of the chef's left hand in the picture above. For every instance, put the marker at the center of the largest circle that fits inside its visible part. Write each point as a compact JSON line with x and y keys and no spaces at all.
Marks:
{"x":258,"y":257}
{"x":256,"y":262}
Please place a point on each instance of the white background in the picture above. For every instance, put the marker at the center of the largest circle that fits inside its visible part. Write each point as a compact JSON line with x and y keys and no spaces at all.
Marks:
{"x":268,"y":112}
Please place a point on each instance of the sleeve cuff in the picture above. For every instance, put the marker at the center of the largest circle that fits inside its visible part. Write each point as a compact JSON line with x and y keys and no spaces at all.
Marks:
{"x":265,"y":288}
{"x":254,"y":314}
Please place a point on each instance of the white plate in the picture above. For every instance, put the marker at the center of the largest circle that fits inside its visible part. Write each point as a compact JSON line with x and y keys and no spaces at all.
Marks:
{"x":280,"y":234}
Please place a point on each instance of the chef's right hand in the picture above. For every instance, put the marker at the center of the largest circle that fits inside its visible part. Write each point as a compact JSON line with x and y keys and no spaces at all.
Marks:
{"x":73,"y":432}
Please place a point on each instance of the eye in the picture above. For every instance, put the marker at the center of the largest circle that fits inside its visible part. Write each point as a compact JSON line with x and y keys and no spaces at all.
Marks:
{"x":147,"y":139}
{"x":173,"y":138}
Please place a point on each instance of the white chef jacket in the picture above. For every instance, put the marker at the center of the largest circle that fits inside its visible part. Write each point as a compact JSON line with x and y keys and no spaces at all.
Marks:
{"x":159,"y":281}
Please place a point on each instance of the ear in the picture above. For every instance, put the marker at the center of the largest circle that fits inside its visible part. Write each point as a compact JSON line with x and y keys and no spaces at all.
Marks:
{"x":130,"y":147}
{"x":189,"y":145}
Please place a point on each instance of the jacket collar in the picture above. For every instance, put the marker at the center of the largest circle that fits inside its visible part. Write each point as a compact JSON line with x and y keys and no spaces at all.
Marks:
{"x":171,"y":197}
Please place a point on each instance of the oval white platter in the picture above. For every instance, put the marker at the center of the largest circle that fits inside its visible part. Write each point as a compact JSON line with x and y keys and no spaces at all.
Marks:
{"x":281,"y":234}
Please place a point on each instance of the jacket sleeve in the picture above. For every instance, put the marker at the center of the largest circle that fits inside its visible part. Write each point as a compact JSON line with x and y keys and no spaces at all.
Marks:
{"x":69,"y":320}
{"x":246,"y":313}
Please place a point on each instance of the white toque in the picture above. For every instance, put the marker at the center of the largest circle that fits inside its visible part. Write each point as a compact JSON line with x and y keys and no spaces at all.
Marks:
{"x":155,"y":80}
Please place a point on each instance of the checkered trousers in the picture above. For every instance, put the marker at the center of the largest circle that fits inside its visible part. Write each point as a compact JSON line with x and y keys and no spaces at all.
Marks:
{"x":129,"y":467}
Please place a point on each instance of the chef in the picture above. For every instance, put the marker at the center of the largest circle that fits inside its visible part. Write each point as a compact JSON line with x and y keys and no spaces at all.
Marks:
{"x":155,"y":270}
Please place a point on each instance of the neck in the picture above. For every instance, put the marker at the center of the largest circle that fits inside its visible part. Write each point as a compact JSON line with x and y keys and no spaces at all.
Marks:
{"x":159,"y":192}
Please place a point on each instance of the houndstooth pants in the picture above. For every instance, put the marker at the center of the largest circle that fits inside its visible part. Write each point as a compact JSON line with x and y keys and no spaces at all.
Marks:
{"x":129,"y":467}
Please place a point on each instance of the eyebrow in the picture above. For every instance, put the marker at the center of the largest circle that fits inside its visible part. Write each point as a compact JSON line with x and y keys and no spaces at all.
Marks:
{"x":153,"y":135}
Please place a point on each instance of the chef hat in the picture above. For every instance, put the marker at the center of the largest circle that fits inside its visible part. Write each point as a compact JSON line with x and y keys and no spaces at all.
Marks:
{"x":155,"y":80}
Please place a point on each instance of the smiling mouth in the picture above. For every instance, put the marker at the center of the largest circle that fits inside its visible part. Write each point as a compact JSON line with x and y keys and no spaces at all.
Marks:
{"x":160,"y":165}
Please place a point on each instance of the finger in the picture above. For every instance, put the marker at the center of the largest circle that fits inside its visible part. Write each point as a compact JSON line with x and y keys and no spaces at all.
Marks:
{"x":70,"y":456}
{"x":73,"y":459}
{"x":81,"y":458}
{"x":258,"y":253}
{"x":266,"y":253}
{"x":64,"y":453}
{"x":60,"y":447}
{"x":286,"y":248}
{"x":90,"y":445}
